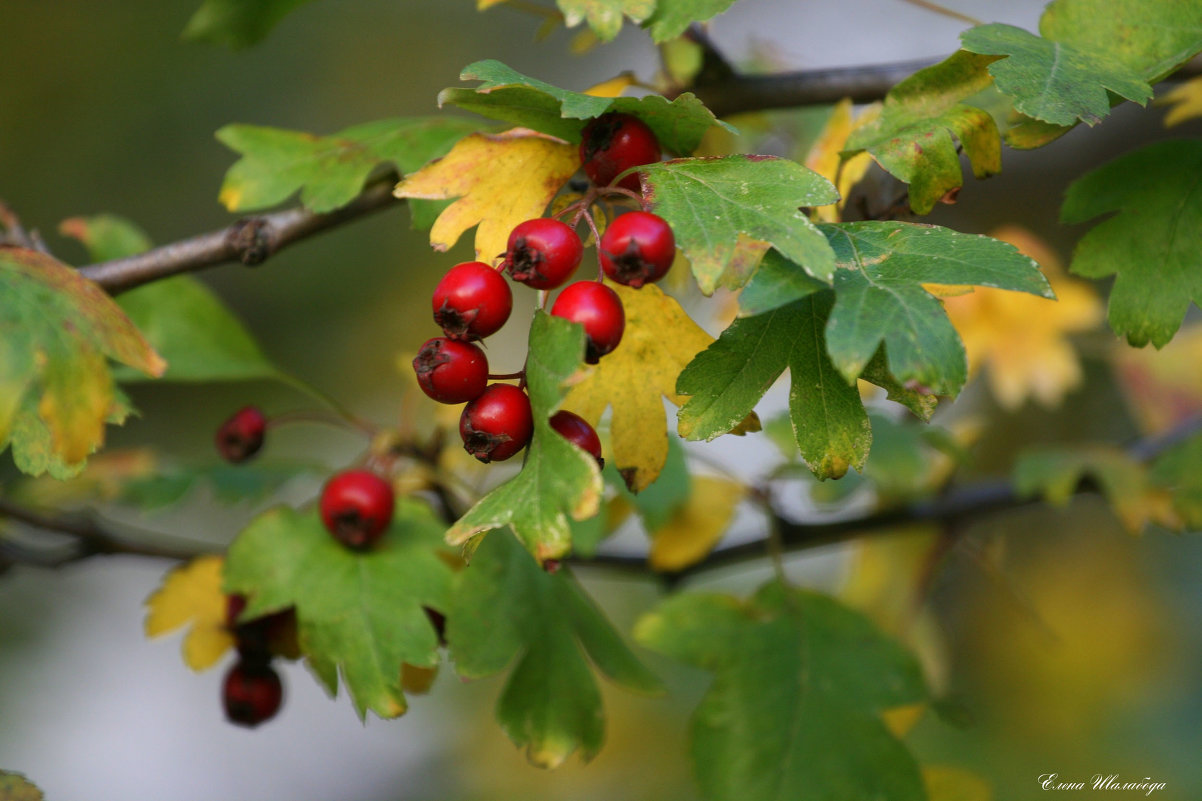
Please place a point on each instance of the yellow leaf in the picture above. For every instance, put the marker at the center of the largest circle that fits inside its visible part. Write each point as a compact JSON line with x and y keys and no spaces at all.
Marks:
{"x":1023,"y":339}
{"x":901,"y":719}
{"x":500,"y":180}
{"x":614,"y":87}
{"x":417,"y":680}
{"x":697,"y":526}
{"x":482,"y":5}
{"x":659,"y":341}
{"x":946,"y":783}
{"x":826,"y":159}
{"x":1186,"y":102}
{"x":1162,"y":387}
{"x":192,"y":594}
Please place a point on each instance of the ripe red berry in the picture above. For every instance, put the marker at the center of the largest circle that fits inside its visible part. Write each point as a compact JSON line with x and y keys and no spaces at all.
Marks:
{"x":542,"y":253}
{"x":612,"y":144}
{"x":241,"y":436}
{"x":356,"y":506}
{"x":637,"y":248}
{"x":599,"y":309}
{"x":497,"y":424}
{"x":260,"y":637}
{"x":450,"y":371}
{"x":472,"y":301}
{"x":251,"y":693}
{"x":576,"y":430}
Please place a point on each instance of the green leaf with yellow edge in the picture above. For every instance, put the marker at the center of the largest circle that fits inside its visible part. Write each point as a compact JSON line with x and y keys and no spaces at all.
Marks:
{"x":237,"y":23}
{"x":1152,"y":245}
{"x":604,"y":16}
{"x":912,"y":139}
{"x":15,"y":787}
{"x":508,"y":95}
{"x":506,"y":610}
{"x":659,"y":340}
{"x":558,"y":481}
{"x":499,"y":181}
{"x":673,"y":17}
{"x":191,"y":595}
{"x":1053,"y":81}
{"x":726,"y":213}
{"x":56,"y":389}
{"x":359,"y":614}
{"x":800,"y":682}
{"x":946,"y":783}
{"x":697,"y":525}
{"x":1176,"y":470}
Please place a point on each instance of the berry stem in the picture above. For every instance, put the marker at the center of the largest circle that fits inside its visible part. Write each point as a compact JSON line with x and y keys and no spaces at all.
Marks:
{"x":618,"y":190}
{"x":507,"y":376}
{"x":321,"y":417}
{"x":592,"y":224}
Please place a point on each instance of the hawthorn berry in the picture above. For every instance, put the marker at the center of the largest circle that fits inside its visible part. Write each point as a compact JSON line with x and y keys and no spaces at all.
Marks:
{"x":472,"y":301}
{"x":576,"y":430}
{"x":542,"y":253}
{"x":356,"y":506}
{"x":497,"y":424}
{"x":241,"y":436}
{"x":637,"y":248}
{"x":612,"y":144}
{"x":450,"y":371}
{"x":599,"y":309}
{"x":261,"y":637}
{"x":251,"y":693}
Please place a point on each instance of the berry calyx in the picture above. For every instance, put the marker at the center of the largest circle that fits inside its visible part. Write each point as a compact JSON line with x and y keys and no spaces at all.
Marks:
{"x":612,"y":144}
{"x":251,"y":693}
{"x":450,"y":371}
{"x":356,"y":506}
{"x":241,"y":436}
{"x":637,"y":248}
{"x":576,"y":430}
{"x":542,"y":253}
{"x":497,"y":424}
{"x":599,"y":309}
{"x":472,"y":301}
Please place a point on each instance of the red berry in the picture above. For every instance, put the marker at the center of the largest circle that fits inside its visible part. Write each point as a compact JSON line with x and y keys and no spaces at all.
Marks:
{"x":356,"y":506}
{"x":497,"y":424}
{"x":450,"y":371}
{"x":241,"y":436}
{"x":472,"y":301}
{"x":260,"y":637}
{"x":542,"y":253}
{"x":251,"y":693}
{"x":599,"y":309}
{"x":637,"y":248}
{"x":576,"y":430}
{"x":612,"y":144}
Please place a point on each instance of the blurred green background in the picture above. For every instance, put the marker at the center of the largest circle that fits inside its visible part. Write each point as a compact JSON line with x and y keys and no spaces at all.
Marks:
{"x":1080,"y":658}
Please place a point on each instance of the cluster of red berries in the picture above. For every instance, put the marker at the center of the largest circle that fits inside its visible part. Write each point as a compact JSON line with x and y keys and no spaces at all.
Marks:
{"x":473,"y":300}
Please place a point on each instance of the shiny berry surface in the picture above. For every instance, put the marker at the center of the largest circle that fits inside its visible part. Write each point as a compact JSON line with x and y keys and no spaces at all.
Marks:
{"x":251,"y":693}
{"x":498,"y":424}
{"x":542,"y":253}
{"x":576,"y":430}
{"x":450,"y":371}
{"x":472,"y":301}
{"x":637,"y":248}
{"x":241,"y":436}
{"x":612,"y":144}
{"x":599,"y":309}
{"x":356,"y":507}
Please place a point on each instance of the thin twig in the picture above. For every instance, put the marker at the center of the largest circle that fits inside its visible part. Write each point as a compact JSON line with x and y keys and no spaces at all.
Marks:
{"x":947,"y":12}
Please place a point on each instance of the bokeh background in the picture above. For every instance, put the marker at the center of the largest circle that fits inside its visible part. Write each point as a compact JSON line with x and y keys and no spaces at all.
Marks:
{"x":1080,"y":657}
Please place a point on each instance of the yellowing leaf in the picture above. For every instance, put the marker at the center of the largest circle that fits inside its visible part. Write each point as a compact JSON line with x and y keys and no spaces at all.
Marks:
{"x":825,"y":156}
{"x":1185,"y":100}
{"x":614,"y":87}
{"x":696,"y":527}
{"x":945,"y":783}
{"x":500,"y":180}
{"x":1024,"y":338}
{"x":659,"y":341}
{"x":418,"y":680}
{"x":1163,"y":387}
{"x":192,"y":594}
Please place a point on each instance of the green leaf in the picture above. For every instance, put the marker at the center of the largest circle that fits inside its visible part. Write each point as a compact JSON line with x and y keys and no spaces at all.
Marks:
{"x":106,"y":236}
{"x":15,"y":787}
{"x":229,"y":483}
{"x":1177,"y":470}
{"x":1053,"y":81}
{"x":558,"y":480}
{"x":1152,"y":245}
{"x":658,"y":501}
{"x":673,"y":17}
{"x":777,"y":282}
{"x":328,"y":171}
{"x":604,"y":16}
{"x":358,"y":614}
{"x":506,"y":94}
{"x":237,"y":23}
{"x":727,"y":212}
{"x":794,"y":710}
{"x":880,"y":296}
{"x":1151,"y":37}
{"x":506,"y":610}
{"x":1054,"y":472}
{"x":912,"y":138}
{"x":56,"y":390}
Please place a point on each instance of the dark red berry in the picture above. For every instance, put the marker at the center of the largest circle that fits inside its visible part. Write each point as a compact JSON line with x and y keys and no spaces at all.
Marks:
{"x":497,"y":424}
{"x":251,"y":693}
{"x":439,"y":621}
{"x":552,"y":566}
{"x":472,"y":301}
{"x":612,"y":144}
{"x":356,"y":506}
{"x":637,"y":248}
{"x":450,"y":371}
{"x":542,"y":253}
{"x":241,"y":436}
{"x":576,"y":430}
{"x":599,"y":309}
{"x":261,"y":637}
